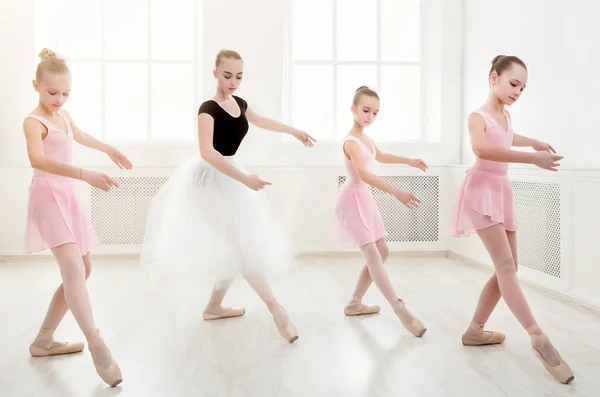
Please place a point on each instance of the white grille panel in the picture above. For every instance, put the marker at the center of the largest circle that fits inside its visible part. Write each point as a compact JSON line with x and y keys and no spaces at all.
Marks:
{"x":537,"y":207}
{"x":119,"y":216}
{"x":402,"y":224}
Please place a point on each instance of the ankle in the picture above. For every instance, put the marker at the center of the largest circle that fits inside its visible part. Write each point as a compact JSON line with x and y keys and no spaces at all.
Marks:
{"x":45,"y":333}
{"x":475,"y":329}
{"x":534,"y":330}
{"x":354,"y":301}
{"x":271,"y":305}
{"x":93,"y":334}
{"x":398,"y":304}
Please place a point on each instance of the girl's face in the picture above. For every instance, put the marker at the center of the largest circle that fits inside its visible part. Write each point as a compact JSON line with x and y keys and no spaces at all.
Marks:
{"x":54,"y":90}
{"x":509,"y":86}
{"x":229,"y":75}
{"x":366,"y":110}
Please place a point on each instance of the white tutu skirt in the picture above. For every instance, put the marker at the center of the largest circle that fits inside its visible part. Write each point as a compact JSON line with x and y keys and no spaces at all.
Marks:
{"x":203,"y":223}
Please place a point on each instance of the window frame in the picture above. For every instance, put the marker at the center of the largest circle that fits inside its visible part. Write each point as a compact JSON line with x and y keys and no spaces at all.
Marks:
{"x":334,"y":62}
{"x":103,"y":60}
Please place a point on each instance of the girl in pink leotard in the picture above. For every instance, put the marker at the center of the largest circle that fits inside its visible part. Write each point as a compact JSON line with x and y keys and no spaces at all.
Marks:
{"x":357,"y":221}
{"x":485,"y":205}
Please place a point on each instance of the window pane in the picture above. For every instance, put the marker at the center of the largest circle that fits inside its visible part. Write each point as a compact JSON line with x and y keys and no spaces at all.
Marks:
{"x":349,"y":79}
{"x":126,"y":29}
{"x":172,"y":34}
{"x":312,"y":29}
{"x":400,"y":116}
{"x":357,"y":30}
{"x":85,"y":103}
{"x":400,"y":30}
{"x":312,"y":100}
{"x":126,"y":101}
{"x":173,"y":112}
{"x":79,"y":28}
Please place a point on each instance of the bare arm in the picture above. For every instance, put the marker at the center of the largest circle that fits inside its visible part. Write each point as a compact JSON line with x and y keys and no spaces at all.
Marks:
{"x":353,"y":151}
{"x":208,"y":152}
{"x":85,"y":139}
{"x":522,"y":141}
{"x":388,"y":158}
{"x":486,"y":151}
{"x":267,"y":123}
{"x":542,"y":158}
{"x":89,"y":141}
{"x":34,"y":131}
{"x":273,"y":125}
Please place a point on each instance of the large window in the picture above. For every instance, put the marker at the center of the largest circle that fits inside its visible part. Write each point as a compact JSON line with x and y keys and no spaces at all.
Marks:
{"x":134,"y":63}
{"x":335,"y":46}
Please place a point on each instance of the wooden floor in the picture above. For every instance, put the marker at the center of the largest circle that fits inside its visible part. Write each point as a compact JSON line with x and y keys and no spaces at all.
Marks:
{"x":164,"y":348}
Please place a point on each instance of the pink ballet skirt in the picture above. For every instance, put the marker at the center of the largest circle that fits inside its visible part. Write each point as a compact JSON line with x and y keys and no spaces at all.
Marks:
{"x":485,"y":198}
{"x":357,"y":220}
{"x":54,"y":215}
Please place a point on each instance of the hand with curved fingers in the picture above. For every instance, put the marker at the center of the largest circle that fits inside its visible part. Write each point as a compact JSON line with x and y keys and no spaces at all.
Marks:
{"x":539,"y":146}
{"x":98,"y":180}
{"x":546,"y":160}
{"x":303,"y":137}
{"x":119,"y":159}
{"x":418,"y":163}
{"x":255,"y":183}
{"x":406,"y":198}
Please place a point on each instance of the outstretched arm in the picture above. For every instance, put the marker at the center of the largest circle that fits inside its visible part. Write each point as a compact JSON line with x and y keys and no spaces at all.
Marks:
{"x":38,"y":160}
{"x":485,"y":151}
{"x":523,"y":141}
{"x":89,"y":141}
{"x":388,"y":158}
{"x":34,"y":132}
{"x":353,"y":151}
{"x":273,"y":125}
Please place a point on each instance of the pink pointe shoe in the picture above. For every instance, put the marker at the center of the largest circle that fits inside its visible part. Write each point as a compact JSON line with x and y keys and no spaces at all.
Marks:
{"x":111,"y":374}
{"x":284,"y":325}
{"x":483,"y":337}
{"x":44,"y":345}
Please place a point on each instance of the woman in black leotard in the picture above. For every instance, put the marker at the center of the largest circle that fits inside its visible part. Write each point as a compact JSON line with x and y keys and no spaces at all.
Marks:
{"x":211,"y":218}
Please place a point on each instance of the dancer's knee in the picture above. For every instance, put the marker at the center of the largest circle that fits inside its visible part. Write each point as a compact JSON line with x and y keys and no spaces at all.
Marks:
{"x":505,"y":267}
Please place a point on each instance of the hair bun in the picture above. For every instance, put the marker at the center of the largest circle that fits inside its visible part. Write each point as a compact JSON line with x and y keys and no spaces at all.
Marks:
{"x":497,"y":58}
{"x":46,"y":53}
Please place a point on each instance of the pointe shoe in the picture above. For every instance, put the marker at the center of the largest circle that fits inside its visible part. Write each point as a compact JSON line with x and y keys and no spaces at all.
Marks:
{"x":415,"y":327}
{"x":561,"y":372}
{"x":223,"y":312}
{"x":111,"y":375}
{"x":284,"y":325}
{"x":484,"y":337}
{"x":45,"y":345}
{"x":360,"y":309}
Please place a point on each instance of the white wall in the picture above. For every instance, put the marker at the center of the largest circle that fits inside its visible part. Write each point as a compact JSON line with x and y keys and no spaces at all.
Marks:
{"x":559,"y":43}
{"x":297,"y":172}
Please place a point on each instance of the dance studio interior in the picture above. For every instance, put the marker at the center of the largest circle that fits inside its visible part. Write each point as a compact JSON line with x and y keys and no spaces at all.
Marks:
{"x":285,"y":198}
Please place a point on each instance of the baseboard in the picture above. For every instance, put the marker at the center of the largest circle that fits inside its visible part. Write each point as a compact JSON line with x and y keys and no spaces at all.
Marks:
{"x":590,"y":304}
{"x":44,"y":258}
{"x":47,"y":256}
